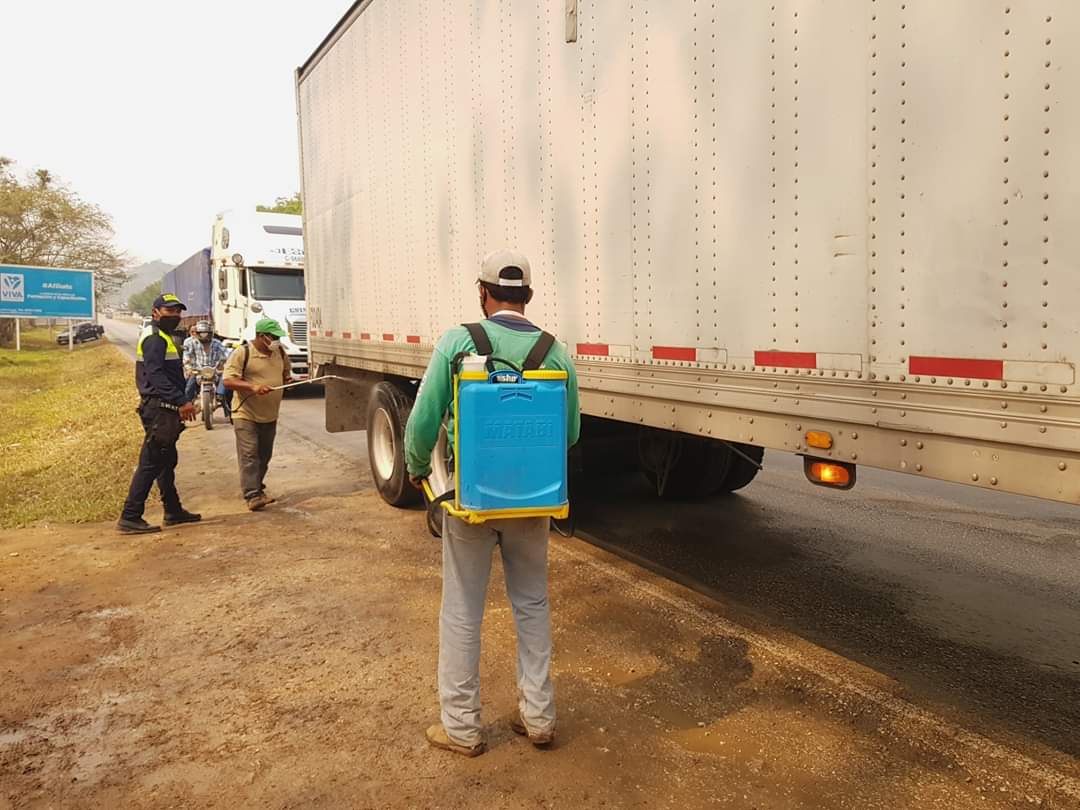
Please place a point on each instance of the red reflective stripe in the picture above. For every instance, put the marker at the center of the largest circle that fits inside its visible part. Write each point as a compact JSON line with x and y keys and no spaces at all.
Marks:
{"x":958,"y":367}
{"x":346,"y":335}
{"x":412,"y":339}
{"x":387,"y":336}
{"x":786,"y":359}
{"x":314,"y":332}
{"x":329,"y":333}
{"x":365,"y":335}
{"x":598,"y":349}
{"x":674,"y":353}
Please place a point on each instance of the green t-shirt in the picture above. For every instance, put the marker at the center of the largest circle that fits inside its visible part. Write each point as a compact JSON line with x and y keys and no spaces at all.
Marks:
{"x":436,"y":392}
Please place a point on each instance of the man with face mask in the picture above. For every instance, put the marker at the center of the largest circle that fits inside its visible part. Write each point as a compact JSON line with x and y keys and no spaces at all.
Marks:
{"x":200,"y":350}
{"x":505,"y":287}
{"x":253,"y":371}
{"x":163,"y":407}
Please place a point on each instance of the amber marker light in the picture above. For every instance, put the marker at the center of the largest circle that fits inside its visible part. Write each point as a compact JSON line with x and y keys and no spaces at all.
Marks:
{"x":834,"y":474}
{"x":820,"y":439}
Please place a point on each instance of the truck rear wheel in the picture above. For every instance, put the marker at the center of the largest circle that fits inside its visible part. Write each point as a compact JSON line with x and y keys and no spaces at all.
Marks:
{"x":742,"y":472}
{"x":684,"y":467}
{"x":387,"y":415}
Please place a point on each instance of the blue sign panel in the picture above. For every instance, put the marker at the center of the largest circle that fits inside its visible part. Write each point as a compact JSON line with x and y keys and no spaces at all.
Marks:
{"x":45,"y":292}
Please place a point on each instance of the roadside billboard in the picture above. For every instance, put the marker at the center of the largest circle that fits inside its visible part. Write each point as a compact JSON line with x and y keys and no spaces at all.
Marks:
{"x":46,"y":292}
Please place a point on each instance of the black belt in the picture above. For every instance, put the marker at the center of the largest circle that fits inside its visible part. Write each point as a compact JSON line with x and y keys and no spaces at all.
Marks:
{"x":165,"y":405}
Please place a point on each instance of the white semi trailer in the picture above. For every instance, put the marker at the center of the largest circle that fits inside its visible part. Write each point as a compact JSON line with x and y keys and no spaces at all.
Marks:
{"x":848,"y":230}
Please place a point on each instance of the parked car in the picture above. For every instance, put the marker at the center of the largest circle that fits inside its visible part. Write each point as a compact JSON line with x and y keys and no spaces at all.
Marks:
{"x":83,"y":332}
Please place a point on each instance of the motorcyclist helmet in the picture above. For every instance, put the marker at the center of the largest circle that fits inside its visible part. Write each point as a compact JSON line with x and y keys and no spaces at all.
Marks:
{"x":203,"y":331}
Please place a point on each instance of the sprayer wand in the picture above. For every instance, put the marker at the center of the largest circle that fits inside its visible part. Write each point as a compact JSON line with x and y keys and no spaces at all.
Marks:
{"x":308,"y":382}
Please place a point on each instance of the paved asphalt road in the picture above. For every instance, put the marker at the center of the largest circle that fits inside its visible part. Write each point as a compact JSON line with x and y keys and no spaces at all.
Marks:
{"x":123,"y":333}
{"x":969,"y":601}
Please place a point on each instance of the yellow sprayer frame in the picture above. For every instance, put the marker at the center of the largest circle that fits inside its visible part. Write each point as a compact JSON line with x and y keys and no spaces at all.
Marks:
{"x":469,"y":516}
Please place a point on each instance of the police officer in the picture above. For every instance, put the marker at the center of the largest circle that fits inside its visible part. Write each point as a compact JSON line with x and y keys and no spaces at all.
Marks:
{"x":505,"y":287}
{"x":163,"y":407}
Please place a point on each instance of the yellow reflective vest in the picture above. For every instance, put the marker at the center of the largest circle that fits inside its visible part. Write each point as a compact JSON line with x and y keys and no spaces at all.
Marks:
{"x":159,"y":367}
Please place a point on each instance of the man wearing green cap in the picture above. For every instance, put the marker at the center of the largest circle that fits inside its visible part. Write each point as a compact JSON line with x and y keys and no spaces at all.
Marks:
{"x":253,"y":371}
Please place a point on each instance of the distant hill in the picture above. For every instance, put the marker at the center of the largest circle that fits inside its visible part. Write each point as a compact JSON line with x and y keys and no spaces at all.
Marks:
{"x":141,"y":276}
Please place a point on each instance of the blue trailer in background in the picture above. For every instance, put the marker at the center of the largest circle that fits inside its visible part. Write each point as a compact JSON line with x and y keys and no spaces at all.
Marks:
{"x":190,"y":282}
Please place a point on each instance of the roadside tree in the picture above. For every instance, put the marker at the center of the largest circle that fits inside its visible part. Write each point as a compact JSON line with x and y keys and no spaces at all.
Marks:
{"x":284,"y":205}
{"x":143,"y":301}
{"x":44,"y":223}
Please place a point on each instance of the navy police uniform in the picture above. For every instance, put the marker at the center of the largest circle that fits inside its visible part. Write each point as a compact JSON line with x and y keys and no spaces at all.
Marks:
{"x":159,"y":376}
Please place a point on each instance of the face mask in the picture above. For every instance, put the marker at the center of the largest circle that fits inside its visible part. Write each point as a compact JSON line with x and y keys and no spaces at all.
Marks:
{"x":275,"y":345}
{"x":168,"y":323}
{"x":203,"y":338}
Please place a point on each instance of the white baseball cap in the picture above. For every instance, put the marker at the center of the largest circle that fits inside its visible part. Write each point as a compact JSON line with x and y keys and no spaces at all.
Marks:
{"x":506,"y":268}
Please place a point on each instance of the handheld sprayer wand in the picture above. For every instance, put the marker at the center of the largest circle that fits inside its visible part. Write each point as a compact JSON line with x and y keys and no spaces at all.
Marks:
{"x":308,"y":382}
{"x":294,"y":384}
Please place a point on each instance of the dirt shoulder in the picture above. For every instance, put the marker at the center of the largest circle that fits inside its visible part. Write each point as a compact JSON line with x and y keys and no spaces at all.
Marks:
{"x":287,"y":659}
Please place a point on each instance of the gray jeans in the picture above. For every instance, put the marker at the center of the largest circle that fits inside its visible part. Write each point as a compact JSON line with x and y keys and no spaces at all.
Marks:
{"x":254,"y":449}
{"x":467,"y":552}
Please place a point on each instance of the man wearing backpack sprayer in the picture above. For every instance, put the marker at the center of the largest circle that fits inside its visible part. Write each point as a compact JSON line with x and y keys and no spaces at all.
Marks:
{"x":505,"y":288}
{"x":253,"y":371}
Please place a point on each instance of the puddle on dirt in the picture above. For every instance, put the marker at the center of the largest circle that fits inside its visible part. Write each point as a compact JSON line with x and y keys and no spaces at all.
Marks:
{"x":108,"y":613}
{"x":762,"y":733}
{"x":625,"y":677}
{"x":12,"y":737}
{"x":673,"y":717}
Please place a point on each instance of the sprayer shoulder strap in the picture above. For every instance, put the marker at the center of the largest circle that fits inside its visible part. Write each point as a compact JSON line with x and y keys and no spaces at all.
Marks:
{"x":538,"y":352}
{"x":286,"y":365}
{"x":480,"y":338}
{"x":533,"y":361}
{"x":482,"y":343}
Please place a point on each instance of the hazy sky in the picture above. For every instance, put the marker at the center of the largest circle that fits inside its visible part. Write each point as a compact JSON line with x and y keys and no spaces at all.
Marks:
{"x":162,"y":113}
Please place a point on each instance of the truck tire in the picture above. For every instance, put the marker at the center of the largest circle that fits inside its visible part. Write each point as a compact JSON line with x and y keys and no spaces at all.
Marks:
{"x":684,"y":467}
{"x":742,"y":472}
{"x":387,"y":414}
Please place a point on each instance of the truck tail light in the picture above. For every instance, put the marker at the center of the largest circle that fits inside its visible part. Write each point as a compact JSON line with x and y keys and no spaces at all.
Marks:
{"x":834,"y":474}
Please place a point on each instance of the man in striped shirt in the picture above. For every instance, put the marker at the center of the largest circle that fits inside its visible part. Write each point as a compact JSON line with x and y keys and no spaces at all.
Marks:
{"x":201,"y":350}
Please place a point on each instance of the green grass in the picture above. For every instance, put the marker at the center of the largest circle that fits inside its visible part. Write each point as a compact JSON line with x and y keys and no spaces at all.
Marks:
{"x":69,"y":436}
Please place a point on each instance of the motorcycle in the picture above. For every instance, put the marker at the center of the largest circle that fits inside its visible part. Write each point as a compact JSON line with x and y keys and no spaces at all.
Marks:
{"x":208,"y":397}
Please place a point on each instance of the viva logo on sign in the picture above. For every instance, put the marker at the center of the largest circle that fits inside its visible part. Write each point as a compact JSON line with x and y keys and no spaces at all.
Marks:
{"x":12,"y":288}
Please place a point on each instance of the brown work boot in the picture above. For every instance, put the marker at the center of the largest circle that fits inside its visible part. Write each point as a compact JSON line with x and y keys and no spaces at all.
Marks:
{"x":256,"y":503}
{"x":539,"y":739}
{"x":437,"y":736}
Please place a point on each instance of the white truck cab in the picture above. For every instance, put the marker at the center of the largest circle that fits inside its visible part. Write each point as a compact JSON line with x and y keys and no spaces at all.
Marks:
{"x":257,"y":271}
